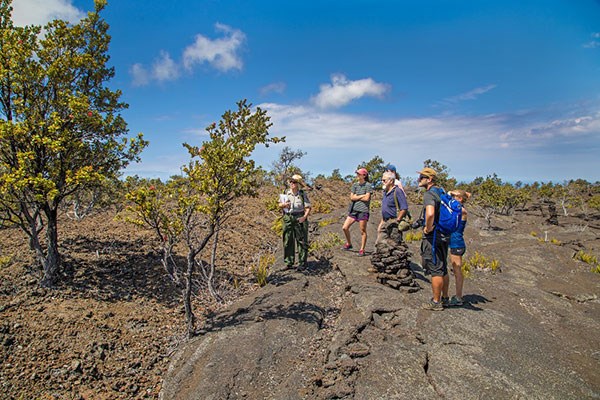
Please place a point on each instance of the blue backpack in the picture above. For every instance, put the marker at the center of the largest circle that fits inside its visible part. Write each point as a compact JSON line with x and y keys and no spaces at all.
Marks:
{"x":450,"y":212}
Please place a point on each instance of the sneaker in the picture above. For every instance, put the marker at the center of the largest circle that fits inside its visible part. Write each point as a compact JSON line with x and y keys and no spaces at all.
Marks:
{"x":445,"y":301}
{"x":347,"y":246}
{"x":456,"y":301}
{"x":361,"y":253}
{"x":433,"y":306}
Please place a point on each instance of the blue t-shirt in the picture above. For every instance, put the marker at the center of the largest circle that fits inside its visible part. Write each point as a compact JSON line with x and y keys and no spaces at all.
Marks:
{"x":388,"y":204}
{"x":457,"y":240}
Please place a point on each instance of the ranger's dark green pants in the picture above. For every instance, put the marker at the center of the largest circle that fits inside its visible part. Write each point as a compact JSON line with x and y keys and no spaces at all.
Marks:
{"x":294,"y":234}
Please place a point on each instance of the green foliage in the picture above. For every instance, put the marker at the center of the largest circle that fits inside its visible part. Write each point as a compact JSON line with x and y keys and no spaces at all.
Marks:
{"x":375,"y":204}
{"x":413,"y":236}
{"x":443,"y":178}
{"x":594,"y":202}
{"x":479,"y":261}
{"x":320,"y":207}
{"x":323,"y":246}
{"x":277,"y":226}
{"x":191,"y":209}
{"x":262,"y":269}
{"x":326,"y":222}
{"x":336,"y":175}
{"x":5,"y":261}
{"x":376,"y":167}
{"x":283,"y":168}
{"x":586,"y":258}
{"x":61,"y":131}
{"x":496,"y":197}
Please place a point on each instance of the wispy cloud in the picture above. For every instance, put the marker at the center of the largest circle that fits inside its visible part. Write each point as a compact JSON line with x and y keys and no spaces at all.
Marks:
{"x":163,"y":69}
{"x":276,"y":87}
{"x":39,"y":12}
{"x":595,"y":42}
{"x":465,"y":143}
{"x":342,"y":91}
{"x":470,"y":95}
{"x":221,"y":53}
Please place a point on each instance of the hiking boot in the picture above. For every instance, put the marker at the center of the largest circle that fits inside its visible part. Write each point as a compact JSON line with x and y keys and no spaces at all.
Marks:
{"x":433,"y":306}
{"x":456,"y":301}
{"x":445,"y":301}
{"x":361,"y":253}
{"x":347,"y":246}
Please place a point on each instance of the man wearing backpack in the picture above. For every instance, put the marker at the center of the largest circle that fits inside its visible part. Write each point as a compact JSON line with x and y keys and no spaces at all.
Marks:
{"x":434,"y":245}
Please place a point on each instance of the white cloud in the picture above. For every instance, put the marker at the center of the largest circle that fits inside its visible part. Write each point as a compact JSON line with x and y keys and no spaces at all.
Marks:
{"x":164,"y":68}
{"x":470,"y":95}
{"x":140,"y":75}
{"x":470,"y":145}
{"x":221,"y":53}
{"x":595,"y":42}
{"x":39,"y":12}
{"x":342,"y":91}
{"x":276,"y":87}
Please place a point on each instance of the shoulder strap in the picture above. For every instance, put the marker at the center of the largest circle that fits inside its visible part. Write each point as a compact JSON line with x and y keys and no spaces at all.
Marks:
{"x":396,"y":199}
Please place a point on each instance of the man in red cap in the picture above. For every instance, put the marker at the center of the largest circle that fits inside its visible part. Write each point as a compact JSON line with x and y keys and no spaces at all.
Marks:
{"x":360,"y":200}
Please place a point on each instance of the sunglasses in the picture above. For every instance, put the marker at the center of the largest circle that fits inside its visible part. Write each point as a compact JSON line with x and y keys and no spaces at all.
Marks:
{"x":293,"y":181}
{"x":423,"y":177}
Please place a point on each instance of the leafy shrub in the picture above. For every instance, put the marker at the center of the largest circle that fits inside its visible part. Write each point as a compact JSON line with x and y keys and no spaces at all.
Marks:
{"x":320,"y":207}
{"x":272,"y":204}
{"x":277,"y":226}
{"x":375,"y":204}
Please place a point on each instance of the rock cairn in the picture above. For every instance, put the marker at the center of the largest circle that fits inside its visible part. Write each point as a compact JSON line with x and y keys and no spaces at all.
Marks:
{"x":391,"y":260}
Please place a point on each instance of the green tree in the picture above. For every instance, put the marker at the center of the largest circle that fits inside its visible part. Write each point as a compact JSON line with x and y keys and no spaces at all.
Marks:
{"x":283,"y":168}
{"x":191,"y":210}
{"x":60,"y":128}
{"x":376,"y":167}
{"x":443,"y":178}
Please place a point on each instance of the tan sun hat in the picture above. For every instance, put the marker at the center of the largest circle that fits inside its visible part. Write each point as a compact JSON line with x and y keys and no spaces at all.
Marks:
{"x":297,"y":178}
{"x":428,"y":172}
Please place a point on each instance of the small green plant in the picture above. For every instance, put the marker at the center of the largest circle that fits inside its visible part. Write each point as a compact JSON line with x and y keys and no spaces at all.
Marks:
{"x":321,"y":248}
{"x":320,"y":207}
{"x":411,"y":236}
{"x":533,"y":233}
{"x":596,"y":269}
{"x":5,"y":261}
{"x":555,"y":241}
{"x":586,"y":258}
{"x":277,"y":225}
{"x":376,"y":204}
{"x":261,"y":270}
{"x":479,"y":261}
{"x":272,"y":204}
{"x":325,"y":222}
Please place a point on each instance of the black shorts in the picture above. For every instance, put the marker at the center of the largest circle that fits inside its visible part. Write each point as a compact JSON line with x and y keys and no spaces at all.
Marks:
{"x":460,"y":251}
{"x":440,"y":266}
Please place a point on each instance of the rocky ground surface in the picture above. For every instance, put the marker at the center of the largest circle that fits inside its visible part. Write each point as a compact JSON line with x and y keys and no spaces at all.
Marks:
{"x":115,"y":329}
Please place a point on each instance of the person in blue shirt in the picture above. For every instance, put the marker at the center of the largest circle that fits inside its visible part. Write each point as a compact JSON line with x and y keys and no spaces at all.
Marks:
{"x":393,"y":203}
{"x":458,"y":248}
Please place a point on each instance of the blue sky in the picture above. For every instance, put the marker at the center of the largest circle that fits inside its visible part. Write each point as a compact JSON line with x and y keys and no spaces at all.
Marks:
{"x":505,"y":87}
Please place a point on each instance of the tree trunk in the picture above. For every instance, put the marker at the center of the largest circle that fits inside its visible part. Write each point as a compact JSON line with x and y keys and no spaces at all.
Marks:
{"x":211,"y":270}
{"x":52,"y":261}
{"x":187,"y":296}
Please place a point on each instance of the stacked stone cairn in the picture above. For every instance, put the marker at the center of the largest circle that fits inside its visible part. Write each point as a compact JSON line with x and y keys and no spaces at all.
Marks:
{"x":391,"y":260}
